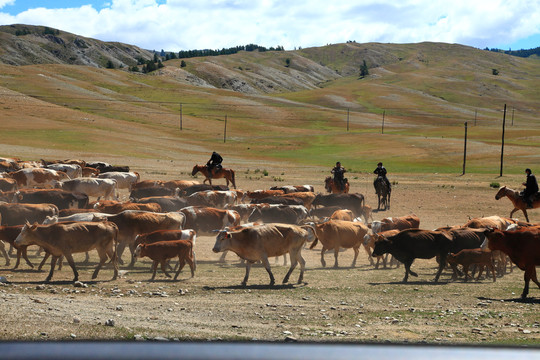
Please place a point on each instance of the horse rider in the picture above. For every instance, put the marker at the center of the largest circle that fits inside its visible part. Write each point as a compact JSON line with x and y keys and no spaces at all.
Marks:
{"x":380,"y":170}
{"x":338,"y":172}
{"x":531,"y":188}
{"x":214,"y":162}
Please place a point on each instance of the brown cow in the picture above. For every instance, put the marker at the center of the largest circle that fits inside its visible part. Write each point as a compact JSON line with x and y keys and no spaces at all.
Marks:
{"x":7,"y":184}
{"x":336,"y":234}
{"x":468,"y":257}
{"x":497,"y":222}
{"x":179,"y":184}
{"x":400,"y":223}
{"x":131,"y":223}
{"x":369,"y":245}
{"x":45,"y":178}
{"x":261,"y":194}
{"x":212,"y":198}
{"x":523,"y":247}
{"x":306,"y":197}
{"x":61,"y":198}
{"x":18,"y":214}
{"x":88,"y":171}
{"x":344,"y":214}
{"x":64,"y":239}
{"x":8,"y":234}
{"x":165,"y":235}
{"x":204,"y":220}
{"x":162,"y":251}
{"x":115,"y":207}
{"x":258,"y":243}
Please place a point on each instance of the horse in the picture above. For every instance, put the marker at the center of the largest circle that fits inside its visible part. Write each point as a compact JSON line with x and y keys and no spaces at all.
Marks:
{"x":517,"y":200}
{"x":332,"y":187}
{"x":228,"y":174}
{"x":383,"y":190}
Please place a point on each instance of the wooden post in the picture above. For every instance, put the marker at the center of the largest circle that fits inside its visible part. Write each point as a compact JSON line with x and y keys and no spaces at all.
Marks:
{"x":382,"y":129}
{"x":465,"y":150}
{"x":512,"y":116}
{"x":475,"y":112}
{"x":180,"y":117}
{"x":225,"y":131}
{"x":502,"y":146}
{"x":347,"y":119}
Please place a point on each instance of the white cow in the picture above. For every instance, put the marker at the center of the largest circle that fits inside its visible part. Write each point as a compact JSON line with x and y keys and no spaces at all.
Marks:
{"x":72,"y":170}
{"x":124,"y":180}
{"x":106,"y":188}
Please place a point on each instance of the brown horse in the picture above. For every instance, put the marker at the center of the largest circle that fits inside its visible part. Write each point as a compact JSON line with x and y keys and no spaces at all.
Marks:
{"x":228,"y":174}
{"x":332,"y":187}
{"x":516,"y":199}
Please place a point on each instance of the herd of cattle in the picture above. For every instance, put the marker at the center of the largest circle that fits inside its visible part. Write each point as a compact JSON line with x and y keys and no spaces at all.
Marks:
{"x":73,"y":206}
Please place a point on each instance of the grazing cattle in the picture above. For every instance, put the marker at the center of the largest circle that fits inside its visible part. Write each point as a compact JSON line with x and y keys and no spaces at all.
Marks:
{"x":293,"y":188}
{"x":260,"y":194}
{"x":336,"y":234}
{"x":99,"y":188}
{"x":81,"y":163}
{"x":204,"y":220}
{"x":162,"y":251}
{"x":244,"y":210}
{"x":212,"y":198}
{"x":307,"y":197}
{"x":8,"y":165}
{"x":258,"y":243}
{"x":287,"y":214}
{"x":179,"y":184}
{"x":369,"y":245}
{"x":399,"y":223}
{"x":88,"y":171}
{"x":124,"y":180}
{"x":322,"y":212}
{"x":44,"y":178}
{"x":146,"y":184}
{"x":64,"y":239}
{"x":61,"y":198}
{"x":115,"y":207}
{"x":468,"y":257}
{"x":104,"y":167}
{"x":18,"y":214}
{"x":131,"y":223}
{"x":344,"y":214}
{"x":68,"y":212}
{"x":464,"y":238}
{"x":151,"y":191}
{"x":367,"y":213}
{"x":8,"y":234}
{"x":72,"y":170}
{"x":411,"y":244}
{"x":86,"y":216}
{"x":202,"y":187}
{"x":166,"y":235}
{"x":167,"y":203}
{"x":353,"y":202}
{"x":7,"y":184}
{"x":523,"y":247}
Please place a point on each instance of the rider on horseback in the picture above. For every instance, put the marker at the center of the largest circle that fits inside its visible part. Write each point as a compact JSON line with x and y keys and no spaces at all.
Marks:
{"x":214,"y":162}
{"x":338,"y":172}
{"x":381,"y":173}
{"x":531,"y":188}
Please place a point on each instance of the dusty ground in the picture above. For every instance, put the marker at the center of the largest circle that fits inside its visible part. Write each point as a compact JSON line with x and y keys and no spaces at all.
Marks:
{"x":347,"y":304}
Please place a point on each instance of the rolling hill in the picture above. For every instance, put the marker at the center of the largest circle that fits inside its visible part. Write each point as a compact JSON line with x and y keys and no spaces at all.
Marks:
{"x":302,"y":107}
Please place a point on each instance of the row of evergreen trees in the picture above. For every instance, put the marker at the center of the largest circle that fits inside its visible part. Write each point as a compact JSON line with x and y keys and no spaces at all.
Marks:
{"x":521,"y":53}
{"x":233,"y":50}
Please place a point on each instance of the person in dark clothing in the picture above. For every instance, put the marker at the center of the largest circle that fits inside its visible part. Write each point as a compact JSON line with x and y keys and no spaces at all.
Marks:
{"x":214,"y":163}
{"x":338,"y":172}
{"x":531,"y":188}
{"x":380,"y":171}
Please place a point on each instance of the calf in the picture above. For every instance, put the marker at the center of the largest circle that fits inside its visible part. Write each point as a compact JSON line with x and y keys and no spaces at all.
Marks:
{"x":8,"y":234}
{"x":162,"y":251}
{"x":369,"y":245}
{"x":523,"y":247}
{"x":468,"y":257}
{"x":336,"y":234}
{"x":165,"y":235}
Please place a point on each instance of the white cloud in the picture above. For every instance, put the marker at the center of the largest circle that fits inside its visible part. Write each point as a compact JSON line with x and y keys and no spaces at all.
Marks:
{"x":180,"y":24}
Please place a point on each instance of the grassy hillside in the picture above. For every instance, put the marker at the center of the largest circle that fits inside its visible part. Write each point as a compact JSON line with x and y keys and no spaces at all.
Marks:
{"x":288,"y":107}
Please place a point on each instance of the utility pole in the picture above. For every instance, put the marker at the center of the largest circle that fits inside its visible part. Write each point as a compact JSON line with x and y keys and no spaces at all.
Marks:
{"x":347,"y":119}
{"x":180,"y":117}
{"x":382,"y":129}
{"x":475,"y":112}
{"x":502,"y":146}
{"x":465,"y":150}
{"x":225,"y":131}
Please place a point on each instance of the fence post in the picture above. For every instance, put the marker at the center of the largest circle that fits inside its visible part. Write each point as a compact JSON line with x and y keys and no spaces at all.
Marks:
{"x":225,"y":131}
{"x":180,"y":117}
{"x":382,"y":129}
{"x":465,"y":150}
{"x":347,"y":119}
{"x":502,"y":145}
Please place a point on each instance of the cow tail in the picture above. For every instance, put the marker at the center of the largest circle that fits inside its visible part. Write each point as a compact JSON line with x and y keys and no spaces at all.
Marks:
{"x":314,"y":243}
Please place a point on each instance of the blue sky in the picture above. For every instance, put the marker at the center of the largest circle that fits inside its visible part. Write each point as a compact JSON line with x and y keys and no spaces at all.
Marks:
{"x":212,"y":24}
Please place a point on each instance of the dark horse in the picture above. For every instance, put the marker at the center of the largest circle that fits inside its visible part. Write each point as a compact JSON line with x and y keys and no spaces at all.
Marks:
{"x":333,"y":188}
{"x":228,"y":174}
{"x":383,"y":190}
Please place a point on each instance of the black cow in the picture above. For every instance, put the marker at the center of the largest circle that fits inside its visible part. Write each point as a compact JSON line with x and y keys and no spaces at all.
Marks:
{"x":279,"y":214}
{"x":190,"y":190}
{"x":61,"y":198}
{"x":167,"y":203}
{"x":353,"y":202}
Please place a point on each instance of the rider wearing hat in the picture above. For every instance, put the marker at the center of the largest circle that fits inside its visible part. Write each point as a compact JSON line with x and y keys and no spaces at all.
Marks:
{"x":380,"y":171}
{"x":531,"y":188}
{"x":214,"y":162}
{"x":338,"y":172}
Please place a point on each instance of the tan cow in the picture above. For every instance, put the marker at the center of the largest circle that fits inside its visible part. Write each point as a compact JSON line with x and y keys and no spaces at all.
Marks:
{"x":115,"y":207}
{"x":106,"y":188}
{"x":212,"y":198}
{"x":65,"y":239}
{"x":400,"y":223}
{"x":336,"y":234}
{"x":258,"y":243}
{"x":306,"y":197}
{"x":342,"y":214}
{"x":162,"y":251}
{"x":18,"y":214}
{"x":496,"y":222}
{"x":369,"y":245}
{"x":204,"y":220}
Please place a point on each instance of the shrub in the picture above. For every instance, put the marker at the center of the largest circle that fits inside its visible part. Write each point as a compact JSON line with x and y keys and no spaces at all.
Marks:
{"x":495,"y":185}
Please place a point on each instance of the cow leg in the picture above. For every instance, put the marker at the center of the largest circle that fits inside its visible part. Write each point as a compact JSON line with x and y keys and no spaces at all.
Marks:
{"x":71,"y":263}
{"x":45,"y":257}
{"x":323,"y":263}
{"x":302,"y":268}
{"x":164,"y":264}
{"x":294,"y":261}
{"x":87,"y":258}
{"x":181,"y":264}
{"x":120,"y":251}
{"x":132,"y":250}
{"x":154,"y":270}
{"x":248,"y":269}
{"x":466,"y":271}
{"x":526,"y":277}
{"x":222,"y":258}
{"x":441,"y":267}
{"x":102,"y":259}
{"x":3,"y":249}
{"x":356,"y":252}
{"x":53,"y":265}
{"x":266,"y":263}
{"x":492,"y":267}
{"x":336,"y":253}
{"x":371,"y":262}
